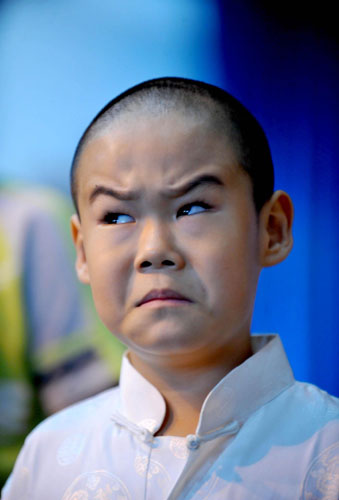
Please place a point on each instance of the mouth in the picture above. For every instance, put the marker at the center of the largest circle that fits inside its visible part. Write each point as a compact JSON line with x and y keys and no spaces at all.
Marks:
{"x":164,"y":296}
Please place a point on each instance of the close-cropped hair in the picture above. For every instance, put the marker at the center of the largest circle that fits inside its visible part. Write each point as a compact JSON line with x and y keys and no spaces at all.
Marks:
{"x":200,"y":100}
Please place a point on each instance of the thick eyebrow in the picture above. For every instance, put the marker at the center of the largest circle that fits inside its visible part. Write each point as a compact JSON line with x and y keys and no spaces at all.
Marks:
{"x":204,"y":179}
{"x":174,"y":192}
{"x":114,"y":193}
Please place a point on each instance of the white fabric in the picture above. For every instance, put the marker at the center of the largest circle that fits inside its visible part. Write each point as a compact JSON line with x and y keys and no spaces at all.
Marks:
{"x":261,"y":436}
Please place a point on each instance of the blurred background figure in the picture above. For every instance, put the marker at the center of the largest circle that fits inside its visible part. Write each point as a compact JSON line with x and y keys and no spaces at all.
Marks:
{"x":51,"y":340}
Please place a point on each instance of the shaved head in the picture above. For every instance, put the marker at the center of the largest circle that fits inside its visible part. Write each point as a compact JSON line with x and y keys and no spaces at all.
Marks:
{"x":192,"y":100}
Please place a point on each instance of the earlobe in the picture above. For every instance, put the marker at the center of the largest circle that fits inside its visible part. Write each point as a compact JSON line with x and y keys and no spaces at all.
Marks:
{"x":81,"y":261}
{"x":276,"y":219}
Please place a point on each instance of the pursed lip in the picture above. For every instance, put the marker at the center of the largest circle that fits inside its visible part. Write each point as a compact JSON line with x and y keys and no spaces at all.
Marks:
{"x":162,"y":295}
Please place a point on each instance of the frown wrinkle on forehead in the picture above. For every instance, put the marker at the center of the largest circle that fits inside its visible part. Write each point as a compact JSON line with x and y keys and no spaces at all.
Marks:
{"x":173,"y":192}
{"x":178,"y":114}
{"x":171,"y":138}
{"x":169,"y":158}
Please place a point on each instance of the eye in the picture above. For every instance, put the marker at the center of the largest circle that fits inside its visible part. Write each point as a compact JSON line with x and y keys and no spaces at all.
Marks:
{"x":193,"y":208}
{"x":116,"y":218}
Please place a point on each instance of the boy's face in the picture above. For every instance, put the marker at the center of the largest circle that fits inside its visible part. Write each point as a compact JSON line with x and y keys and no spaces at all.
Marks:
{"x":169,"y":237}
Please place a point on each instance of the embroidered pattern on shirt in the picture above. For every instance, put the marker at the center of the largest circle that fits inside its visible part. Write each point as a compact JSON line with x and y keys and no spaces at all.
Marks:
{"x":98,"y":484}
{"x":322,"y":479}
{"x":70,"y":449}
{"x":178,"y":447}
{"x":156,"y":473}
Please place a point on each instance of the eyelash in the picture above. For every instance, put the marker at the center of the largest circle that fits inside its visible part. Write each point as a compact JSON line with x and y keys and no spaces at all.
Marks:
{"x":186,"y":207}
{"x":111,"y":217}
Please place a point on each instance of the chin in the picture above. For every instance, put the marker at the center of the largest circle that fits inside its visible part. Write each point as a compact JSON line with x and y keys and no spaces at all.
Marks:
{"x":165,"y":341}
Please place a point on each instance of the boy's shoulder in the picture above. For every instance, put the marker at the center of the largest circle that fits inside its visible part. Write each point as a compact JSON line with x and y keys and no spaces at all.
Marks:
{"x":301,"y":413}
{"x":317,"y":402}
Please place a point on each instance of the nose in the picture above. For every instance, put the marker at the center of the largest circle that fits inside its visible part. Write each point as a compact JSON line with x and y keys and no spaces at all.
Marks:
{"x":156,"y":249}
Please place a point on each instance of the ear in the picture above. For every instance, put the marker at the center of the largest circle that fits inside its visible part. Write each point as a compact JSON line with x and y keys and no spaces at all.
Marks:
{"x":81,"y":262}
{"x":276,"y":219}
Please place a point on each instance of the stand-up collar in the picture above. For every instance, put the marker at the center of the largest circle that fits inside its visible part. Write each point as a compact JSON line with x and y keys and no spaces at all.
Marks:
{"x":246,"y":388}
{"x":249,"y":386}
{"x":141,"y":402}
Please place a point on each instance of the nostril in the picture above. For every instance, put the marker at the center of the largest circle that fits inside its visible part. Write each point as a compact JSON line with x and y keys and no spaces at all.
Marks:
{"x":145,"y":263}
{"x":168,"y":263}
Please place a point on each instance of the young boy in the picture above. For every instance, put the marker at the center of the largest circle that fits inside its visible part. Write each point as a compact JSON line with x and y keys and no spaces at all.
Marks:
{"x":176,"y":216}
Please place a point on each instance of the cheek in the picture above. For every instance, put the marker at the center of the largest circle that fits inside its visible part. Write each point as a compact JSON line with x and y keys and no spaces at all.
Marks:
{"x":109,"y":280}
{"x":229,"y":272}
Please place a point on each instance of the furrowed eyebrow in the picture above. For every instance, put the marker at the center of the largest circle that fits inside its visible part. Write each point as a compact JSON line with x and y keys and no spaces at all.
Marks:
{"x":205,"y":179}
{"x":175,"y":192}
{"x":119,"y":195}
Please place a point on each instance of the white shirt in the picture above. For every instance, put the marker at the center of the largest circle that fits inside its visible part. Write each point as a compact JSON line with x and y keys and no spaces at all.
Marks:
{"x":261,"y":435}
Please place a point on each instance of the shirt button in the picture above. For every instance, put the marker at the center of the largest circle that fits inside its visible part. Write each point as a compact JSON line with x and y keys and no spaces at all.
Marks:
{"x":146,"y":436}
{"x":192,"y":441}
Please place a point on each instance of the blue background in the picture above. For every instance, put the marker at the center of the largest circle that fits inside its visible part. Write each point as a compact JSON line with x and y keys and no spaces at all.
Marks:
{"x":62,"y":60}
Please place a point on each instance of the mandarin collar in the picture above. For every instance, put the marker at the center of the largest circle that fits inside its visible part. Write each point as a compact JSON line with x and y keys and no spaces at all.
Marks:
{"x":243,"y":390}
{"x":140,"y":402}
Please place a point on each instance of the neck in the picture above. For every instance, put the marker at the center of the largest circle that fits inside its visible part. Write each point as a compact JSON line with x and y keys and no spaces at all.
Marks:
{"x":185,"y":383}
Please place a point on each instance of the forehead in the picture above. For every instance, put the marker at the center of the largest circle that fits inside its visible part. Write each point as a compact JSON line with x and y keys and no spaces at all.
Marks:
{"x":162,"y":148}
